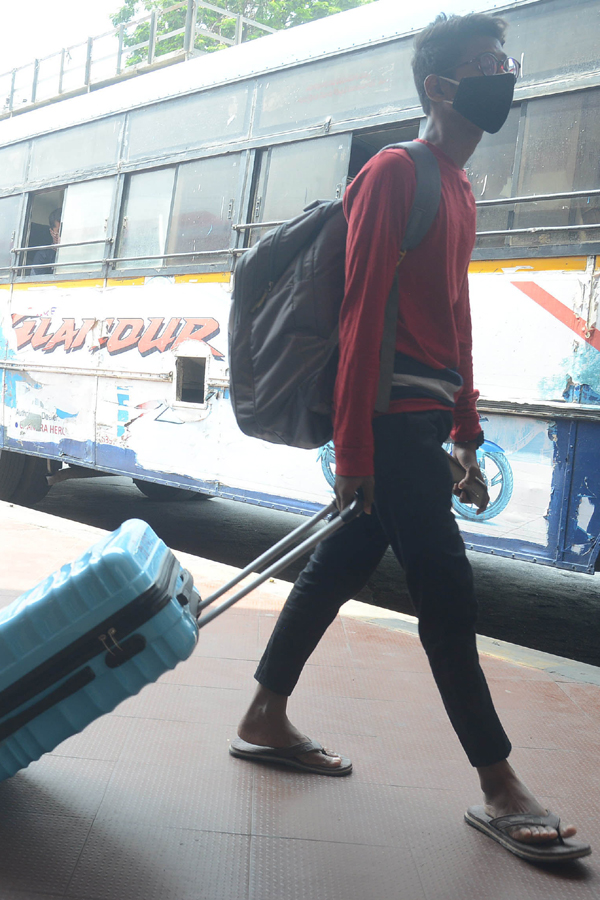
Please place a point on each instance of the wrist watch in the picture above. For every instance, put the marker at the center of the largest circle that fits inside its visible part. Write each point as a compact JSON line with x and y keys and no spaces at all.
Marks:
{"x":478,"y":440}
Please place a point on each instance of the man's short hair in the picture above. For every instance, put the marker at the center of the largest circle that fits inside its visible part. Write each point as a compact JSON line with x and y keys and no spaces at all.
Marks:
{"x":439,"y":47}
{"x":54,"y":217}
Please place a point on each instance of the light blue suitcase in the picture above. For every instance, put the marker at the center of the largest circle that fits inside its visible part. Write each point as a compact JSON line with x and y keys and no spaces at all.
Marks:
{"x":101,"y":628}
{"x":89,"y":636}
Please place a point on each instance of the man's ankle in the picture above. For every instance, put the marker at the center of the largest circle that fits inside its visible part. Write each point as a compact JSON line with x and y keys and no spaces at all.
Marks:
{"x":497,"y":777}
{"x":267,"y":703}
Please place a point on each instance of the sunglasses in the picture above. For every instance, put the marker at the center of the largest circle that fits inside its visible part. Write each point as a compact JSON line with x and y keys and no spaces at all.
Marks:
{"x":488,"y":64}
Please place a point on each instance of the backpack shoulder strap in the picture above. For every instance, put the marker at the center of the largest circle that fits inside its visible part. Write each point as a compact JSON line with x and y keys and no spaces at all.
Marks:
{"x":428,"y":192}
{"x":424,"y":210}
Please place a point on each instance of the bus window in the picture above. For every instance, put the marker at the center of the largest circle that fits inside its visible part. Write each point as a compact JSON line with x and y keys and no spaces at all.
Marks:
{"x":560,"y":154}
{"x":86,"y":211}
{"x":204,"y":207}
{"x":344,"y":87}
{"x":9,"y":214}
{"x":43,"y":232}
{"x":199,"y":120}
{"x":533,"y":31}
{"x":145,"y":220}
{"x":367,"y":144}
{"x":555,"y":156}
{"x":13,"y":160}
{"x":85,"y":148}
{"x":293,"y":175}
{"x":491,"y":173}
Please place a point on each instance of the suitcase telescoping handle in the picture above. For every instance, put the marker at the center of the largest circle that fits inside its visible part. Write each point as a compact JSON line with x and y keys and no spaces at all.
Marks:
{"x":339,"y":520}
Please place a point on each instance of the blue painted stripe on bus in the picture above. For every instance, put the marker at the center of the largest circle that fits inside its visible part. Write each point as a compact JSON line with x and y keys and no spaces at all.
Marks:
{"x":122,"y":461}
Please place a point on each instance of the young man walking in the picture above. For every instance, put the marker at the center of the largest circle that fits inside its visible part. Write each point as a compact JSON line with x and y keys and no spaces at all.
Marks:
{"x":466,"y":83}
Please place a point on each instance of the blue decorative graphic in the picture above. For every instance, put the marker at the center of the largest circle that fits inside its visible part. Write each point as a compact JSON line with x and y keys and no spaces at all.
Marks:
{"x":123,"y":414}
{"x":327,"y":457}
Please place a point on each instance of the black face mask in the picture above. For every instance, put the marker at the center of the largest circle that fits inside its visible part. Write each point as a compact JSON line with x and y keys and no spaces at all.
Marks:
{"x":484,"y":100}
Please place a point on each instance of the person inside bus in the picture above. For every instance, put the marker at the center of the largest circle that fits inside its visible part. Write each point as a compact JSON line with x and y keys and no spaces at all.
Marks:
{"x":466,"y":83}
{"x":44,"y":258}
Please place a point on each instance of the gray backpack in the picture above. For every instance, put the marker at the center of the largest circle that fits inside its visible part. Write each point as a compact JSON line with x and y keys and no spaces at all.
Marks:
{"x":283,"y":329}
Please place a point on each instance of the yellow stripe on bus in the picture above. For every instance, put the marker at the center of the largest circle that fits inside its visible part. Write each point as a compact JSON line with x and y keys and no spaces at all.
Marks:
{"x":27,"y":286}
{"x":206,"y":278}
{"x":549,"y":264}
{"x":125,"y":282}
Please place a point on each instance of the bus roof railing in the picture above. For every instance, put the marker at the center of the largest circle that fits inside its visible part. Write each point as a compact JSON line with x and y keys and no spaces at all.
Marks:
{"x":77,"y":68}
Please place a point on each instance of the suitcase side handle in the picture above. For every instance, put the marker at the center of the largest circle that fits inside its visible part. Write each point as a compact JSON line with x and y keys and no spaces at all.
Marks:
{"x":340,"y":519}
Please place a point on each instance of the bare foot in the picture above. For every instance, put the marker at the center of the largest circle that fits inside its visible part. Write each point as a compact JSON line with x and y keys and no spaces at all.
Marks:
{"x":266,"y":724}
{"x":504,"y":794}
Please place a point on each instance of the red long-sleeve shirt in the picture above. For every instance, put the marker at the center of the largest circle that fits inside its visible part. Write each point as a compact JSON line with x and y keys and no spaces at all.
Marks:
{"x":434,"y":320}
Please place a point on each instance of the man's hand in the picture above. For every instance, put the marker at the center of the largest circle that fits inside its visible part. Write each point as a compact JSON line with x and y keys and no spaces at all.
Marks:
{"x":346,"y":488}
{"x":466,"y":454}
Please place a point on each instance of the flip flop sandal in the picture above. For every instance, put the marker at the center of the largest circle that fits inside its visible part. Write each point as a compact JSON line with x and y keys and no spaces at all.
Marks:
{"x":288,"y":756}
{"x":557,"y":850}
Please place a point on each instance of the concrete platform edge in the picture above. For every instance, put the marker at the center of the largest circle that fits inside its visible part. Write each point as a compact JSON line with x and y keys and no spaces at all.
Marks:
{"x":513,"y":653}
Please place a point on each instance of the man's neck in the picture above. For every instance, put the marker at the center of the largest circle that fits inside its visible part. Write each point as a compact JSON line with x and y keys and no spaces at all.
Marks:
{"x":459,"y":146}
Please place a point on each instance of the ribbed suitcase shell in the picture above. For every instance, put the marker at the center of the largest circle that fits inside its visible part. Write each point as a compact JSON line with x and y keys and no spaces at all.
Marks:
{"x":86,"y":638}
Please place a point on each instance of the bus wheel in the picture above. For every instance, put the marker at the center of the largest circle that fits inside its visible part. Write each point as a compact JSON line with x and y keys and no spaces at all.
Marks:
{"x":23,"y":479}
{"x":164,"y":493}
{"x":11,"y":469}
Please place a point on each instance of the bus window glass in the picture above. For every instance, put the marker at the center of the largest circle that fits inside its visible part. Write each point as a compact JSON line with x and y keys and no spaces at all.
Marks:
{"x":9,"y":215}
{"x":533,"y":32}
{"x":13,"y":160}
{"x":81,"y":149}
{"x":293,"y":175}
{"x":491,"y":167}
{"x":204,"y":206}
{"x":368,"y":81}
{"x":560,"y":154}
{"x":85,"y":216}
{"x":145,"y":219}
{"x":491,"y":170}
{"x":560,"y":150}
{"x":216,"y":116}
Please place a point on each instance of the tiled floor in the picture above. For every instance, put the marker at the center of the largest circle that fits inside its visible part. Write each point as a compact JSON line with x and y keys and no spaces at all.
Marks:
{"x":146,"y":804}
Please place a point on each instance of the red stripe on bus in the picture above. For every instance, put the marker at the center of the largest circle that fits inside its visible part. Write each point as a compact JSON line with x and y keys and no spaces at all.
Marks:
{"x":559,"y":311}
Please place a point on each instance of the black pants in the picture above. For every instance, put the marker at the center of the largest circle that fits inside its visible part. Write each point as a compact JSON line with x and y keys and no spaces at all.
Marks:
{"x":413,"y":514}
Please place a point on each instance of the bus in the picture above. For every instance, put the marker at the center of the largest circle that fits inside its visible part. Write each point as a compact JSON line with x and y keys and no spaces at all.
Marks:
{"x":124,"y":209}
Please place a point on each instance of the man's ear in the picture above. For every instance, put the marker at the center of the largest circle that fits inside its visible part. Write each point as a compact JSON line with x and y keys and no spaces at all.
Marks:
{"x":433,"y":89}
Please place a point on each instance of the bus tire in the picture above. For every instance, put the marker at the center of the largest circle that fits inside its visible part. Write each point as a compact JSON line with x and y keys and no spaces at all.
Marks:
{"x":164,"y":493}
{"x":23,"y":480}
{"x":11,"y":470}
